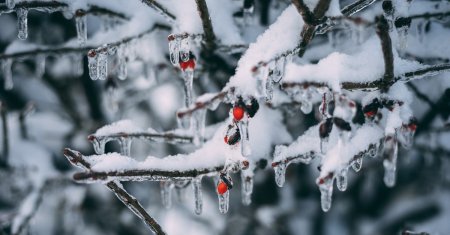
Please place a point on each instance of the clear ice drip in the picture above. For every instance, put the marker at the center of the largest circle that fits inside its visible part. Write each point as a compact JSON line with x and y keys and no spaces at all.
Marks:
{"x":102,"y":64}
{"x":22,"y":23}
{"x":326,"y":192}
{"x":402,"y":37}
{"x":341,"y":180}
{"x":125,"y":146}
{"x":166,"y":193}
{"x":80,"y":22}
{"x":198,"y":126}
{"x":184,"y":121}
{"x":40,"y":66}
{"x":280,"y":173}
{"x":174,"y":51}
{"x":93,"y":66}
{"x":184,"y":49}
{"x":198,"y":196}
{"x":122,"y":71}
{"x":405,"y":137}
{"x":357,"y":164}
{"x":7,"y":74}
{"x":188,"y":77}
{"x":99,"y":145}
{"x":390,"y":153}
{"x":261,"y":74}
{"x":305,"y":99}
{"x":10,"y":4}
{"x":246,"y":149}
{"x":247,"y":188}
{"x":224,"y":201}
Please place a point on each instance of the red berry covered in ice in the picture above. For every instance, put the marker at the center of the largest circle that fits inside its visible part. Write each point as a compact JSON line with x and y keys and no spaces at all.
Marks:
{"x":189,"y":64}
{"x":238,"y":113}
{"x":222,"y":188}
{"x":370,"y":113}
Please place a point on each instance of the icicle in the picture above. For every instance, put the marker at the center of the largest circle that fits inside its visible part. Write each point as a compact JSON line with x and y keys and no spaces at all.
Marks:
{"x":102,"y":63}
{"x":78,"y":66}
{"x":22,"y":23}
{"x":188,"y":76}
{"x":326,"y":192}
{"x":174,"y":50}
{"x":10,"y":3}
{"x":184,"y":49}
{"x":261,"y":73}
{"x":198,"y":126}
{"x":406,"y":135}
{"x":197,"y":186}
{"x":125,"y":146}
{"x":248,"y":16}
{"x":166,"y":193}
{"x":93,"y":64}
{"x":122,"y":71}
{"x":402,"y":36}
{"x":421,"y":29}
{"x":390,"y":153}
{"x":280,"y":173}
{"x":357,"y":164}
{"x":247,"y":188}
{"x":80,"y":22}
{"x":224,"y":202}
{"x":269,"y":82}
{"x":184,"y":121}
{"x":341,"y":180}
{"x":373,"y":152}
{"x":99,"y":145}
{"x":245,"y":140}
{"x":278,"y":71}
{"x":40,"y":66}
{"x":7,"y":74}
{"x":332,"y":39}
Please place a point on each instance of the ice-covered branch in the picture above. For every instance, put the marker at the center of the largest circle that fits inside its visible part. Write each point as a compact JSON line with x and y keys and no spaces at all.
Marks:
{"x":307,"y":15}
{"x":203,"y":104}
{"x":208,"y":30}
{"x":77,"y":159}
{"x":160,"y":9}
{"x":355,"y":7}
{"x":53,"y":6}
{"x":27,"y":110}
{"x":44,"y":51}
{"x":382,"y":30}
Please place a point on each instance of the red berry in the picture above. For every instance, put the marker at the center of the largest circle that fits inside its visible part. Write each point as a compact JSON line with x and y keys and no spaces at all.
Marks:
{"x":412,"y":127}
{"x":190,"y":64}
{"x":370,"y":113}
{"x":225,"y":139}
{"x":222,"y":188}
{"x":238,"y":113}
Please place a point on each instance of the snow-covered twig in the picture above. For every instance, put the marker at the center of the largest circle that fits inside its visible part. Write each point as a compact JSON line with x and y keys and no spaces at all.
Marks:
{"x":131,"y":202}
{"x":160,"y":9}
{"x":167,"y":137}
{"x":218,"y":97}
{"x":382,"y":30}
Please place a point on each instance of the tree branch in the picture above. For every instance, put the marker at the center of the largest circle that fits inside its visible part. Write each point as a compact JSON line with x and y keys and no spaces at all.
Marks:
{"x":386,"y":46}
{"x":160,"y":9}
{"x":166,"y":137}
{"x":210,"y":37}
{"x":5,"y":151}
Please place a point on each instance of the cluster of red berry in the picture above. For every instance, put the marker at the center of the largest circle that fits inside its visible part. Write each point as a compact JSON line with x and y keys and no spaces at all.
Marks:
{"x":225,"y":184}
{"x":233,"y":135}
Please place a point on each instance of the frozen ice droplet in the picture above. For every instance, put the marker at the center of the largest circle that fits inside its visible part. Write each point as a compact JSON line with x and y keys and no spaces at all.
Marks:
{"x":246,"y":149}
{"x":326,"y":192}
{"x":184,"y":49}
{"x":125,"y":146}
{"x":341,"y":180}
{"x":390,"y":153}
{"x":224,"y":201}
{"x":40,"y":66}
{"x":93,"y":64}
{"x":22,"y":23}
{"x":357,"y":164}
{"x":280,"y":173}
{"x":166,"y":193}
{"x":10,"y":4}
{"x":247,"y":187}
{"x":80,"y":22}
{"x":102,"y":63}
{"x":7,"y":74}
{"x":174,"y":51}
{"x":306,"y":106}
{"x":198,"y":126}
{"x":198,"y":196}
{"x":188,"y":76}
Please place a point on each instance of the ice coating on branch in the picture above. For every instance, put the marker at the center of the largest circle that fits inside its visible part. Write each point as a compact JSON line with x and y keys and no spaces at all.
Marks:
{"x":339,"y":67}
{"x":7,"y":74}
{"x":122,"y":126}
{"x":198,"y":196}
{"x":80,"y":22}
{"x":22,"y":23}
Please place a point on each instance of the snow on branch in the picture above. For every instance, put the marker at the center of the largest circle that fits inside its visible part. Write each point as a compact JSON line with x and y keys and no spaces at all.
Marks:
{"x":160,"y":9}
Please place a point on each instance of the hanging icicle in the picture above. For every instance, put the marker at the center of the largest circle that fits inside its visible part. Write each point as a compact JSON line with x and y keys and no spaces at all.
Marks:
{"x":102,"y":64}
{"x":390,"y":152}
{"x":247,"y":186}
{"x":402,"y":25}
{"x":122,"y":71}
{"x":174,"y":49}
{"x":185,"y":49}
{"x":93,"y":64}
{"x":357,"y":164}
{"x":22,"y":23}
{"x":198,"y":126}
{"x":341,"y":180}
{"x":280,"y":173}
{"x":326,"y":192}
{"x":99,"y":145}
{"x":406,"y":133}
{"x":187,"y":70}
{"x":225,"y":183}
{"x":166,"y":193}
{"x":245,"y":140}
{"x":81,"y":25}
{"x":7,"y":74}
{"x":40,"y":66}
{"x":198,"y":196}
{"x":77,"y":65}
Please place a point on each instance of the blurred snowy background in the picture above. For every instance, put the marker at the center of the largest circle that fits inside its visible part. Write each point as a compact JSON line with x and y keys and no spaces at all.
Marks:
{"x":49,"y":102}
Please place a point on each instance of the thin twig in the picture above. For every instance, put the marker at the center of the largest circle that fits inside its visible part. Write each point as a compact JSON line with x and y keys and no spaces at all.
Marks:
{"x":160,"y":9}
{"x":210,"y":37}
{"x":5,"y":152}
{"x":386,"y":47}
{"x":29,"y":108}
